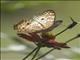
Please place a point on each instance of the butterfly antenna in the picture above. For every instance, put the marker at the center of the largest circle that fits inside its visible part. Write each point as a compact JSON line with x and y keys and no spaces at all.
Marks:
{"x":44,"y":54}
{"x":36,"y":53}
{"x":30,"y":53}
{"x":69,"y":27}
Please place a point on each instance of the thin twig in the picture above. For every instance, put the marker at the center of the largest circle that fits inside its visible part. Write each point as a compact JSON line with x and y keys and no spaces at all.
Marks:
{"x":30,"y":53}
{"x":72,"y":38}
{"x":44,"y":54}
{"x":36,"y":53}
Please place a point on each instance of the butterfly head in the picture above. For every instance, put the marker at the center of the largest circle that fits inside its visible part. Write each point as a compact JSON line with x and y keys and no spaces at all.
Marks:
{"x":21,"y":26}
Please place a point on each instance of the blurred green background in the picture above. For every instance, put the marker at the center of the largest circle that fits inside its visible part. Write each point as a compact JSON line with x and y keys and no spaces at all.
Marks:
{"x":15,"y":48}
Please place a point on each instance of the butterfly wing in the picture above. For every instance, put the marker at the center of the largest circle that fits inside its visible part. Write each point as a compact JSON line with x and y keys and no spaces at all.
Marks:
{"x":45,"y":20}
{"x":42,"y":23}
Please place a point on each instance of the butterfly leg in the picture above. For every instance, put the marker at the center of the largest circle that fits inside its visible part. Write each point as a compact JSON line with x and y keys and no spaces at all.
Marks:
{"x":30,"y":53}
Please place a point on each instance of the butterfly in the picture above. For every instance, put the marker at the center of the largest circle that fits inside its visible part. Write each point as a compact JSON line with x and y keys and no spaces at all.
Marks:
{"x":41,"y":23}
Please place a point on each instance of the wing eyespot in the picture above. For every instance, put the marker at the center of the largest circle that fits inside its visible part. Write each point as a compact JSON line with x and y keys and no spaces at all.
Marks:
{"x":42,"y":18}
{"x":23,"y":28}
{"x":28,"y":23}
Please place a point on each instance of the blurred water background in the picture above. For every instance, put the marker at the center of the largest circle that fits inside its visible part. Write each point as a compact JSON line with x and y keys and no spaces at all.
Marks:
{"x":15,"y":48}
